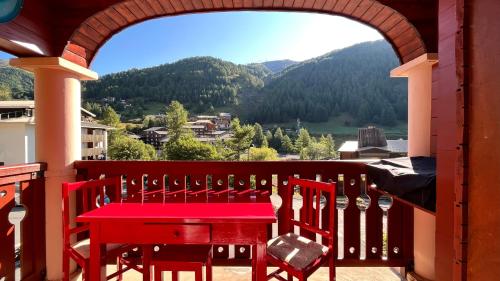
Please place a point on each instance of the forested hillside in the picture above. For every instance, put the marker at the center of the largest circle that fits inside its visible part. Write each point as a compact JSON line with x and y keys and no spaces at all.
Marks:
{"x":199,"y":83}
{"x":15,"y":83}
{"x":354,"y":80}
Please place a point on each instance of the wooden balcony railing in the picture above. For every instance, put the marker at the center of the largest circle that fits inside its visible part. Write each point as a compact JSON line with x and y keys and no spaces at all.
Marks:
{"x":373,"y":229}
{"x":29,"y":255}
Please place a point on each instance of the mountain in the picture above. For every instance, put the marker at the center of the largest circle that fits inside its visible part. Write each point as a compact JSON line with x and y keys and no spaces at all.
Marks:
{"x":354,"y":81}
{"x":16,"y":82}
{"x":199,"y":83}
{"x":277,"y":66}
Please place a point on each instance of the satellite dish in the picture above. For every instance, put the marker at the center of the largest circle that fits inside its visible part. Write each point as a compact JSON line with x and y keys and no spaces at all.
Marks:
{"x":9,"y":9}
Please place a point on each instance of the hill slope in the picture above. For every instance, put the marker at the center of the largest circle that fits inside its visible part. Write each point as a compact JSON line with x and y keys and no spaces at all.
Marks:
{"x":18,"y":82}
{"x":353,"y":80}
{"x":198,"y":83}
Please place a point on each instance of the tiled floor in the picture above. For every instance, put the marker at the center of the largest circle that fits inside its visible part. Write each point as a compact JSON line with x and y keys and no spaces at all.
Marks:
{"x":243,"y":274}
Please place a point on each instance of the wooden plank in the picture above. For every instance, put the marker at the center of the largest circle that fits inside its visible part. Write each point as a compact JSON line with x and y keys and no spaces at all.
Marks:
{"x":167,"y":6}
{"x":157,"y":7}
{"x":390,"y":22}
{"x":134,"y":9}
{"x":146,"y":7}
{"x":308,"y":4}
{"x":7,"y":258}
{"x":362,"y":8}
{"x":383,"y":15}
{"x":372,"y":12}
{"x":125,"y":12}
{"x":329,"y":5}
{"x":118,"y":18}
{"x":340,"y":5}
{"x":227,"y":4}
{"x":351,"y":6}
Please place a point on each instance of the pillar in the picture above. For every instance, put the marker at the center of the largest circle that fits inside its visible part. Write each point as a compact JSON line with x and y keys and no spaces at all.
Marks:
{"x":419,"y":74}
{"x":57,"y":138}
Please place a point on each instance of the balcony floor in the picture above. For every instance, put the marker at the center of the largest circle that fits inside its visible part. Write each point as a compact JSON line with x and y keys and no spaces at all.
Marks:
{"x":243,"y":274}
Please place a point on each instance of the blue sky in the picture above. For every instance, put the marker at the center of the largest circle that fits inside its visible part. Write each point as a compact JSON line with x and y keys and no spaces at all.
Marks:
{"x":240,"y":37}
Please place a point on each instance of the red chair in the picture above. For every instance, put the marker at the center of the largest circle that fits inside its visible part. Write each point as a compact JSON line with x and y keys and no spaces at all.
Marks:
{"x":298,"y":255}
{"x":176,"y":258}
{"x":90,"y":195}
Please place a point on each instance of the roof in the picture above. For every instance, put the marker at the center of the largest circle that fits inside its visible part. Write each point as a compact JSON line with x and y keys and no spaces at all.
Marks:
{"x":399,"y":146}
{"x":22,"y":104}
{"x":17,"y":104}
{"x":95,"y":126}
{"x":349,"y":146}
{"x":88,"y":112}
{"x":152,"y":129}
{"x":206,"y":117}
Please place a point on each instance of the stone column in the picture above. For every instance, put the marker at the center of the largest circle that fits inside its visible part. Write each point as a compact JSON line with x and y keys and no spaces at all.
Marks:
{"x":57,"y":138}
{"x":419,"y":74}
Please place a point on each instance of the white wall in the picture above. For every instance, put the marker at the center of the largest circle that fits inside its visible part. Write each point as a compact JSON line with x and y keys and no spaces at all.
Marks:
{"x":14,"y":143}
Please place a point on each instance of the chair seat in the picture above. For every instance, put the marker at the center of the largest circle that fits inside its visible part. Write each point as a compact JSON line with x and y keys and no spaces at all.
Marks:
{"x":181,"y":253}
{"x":299,"y":252}
{"x":82,"y":247}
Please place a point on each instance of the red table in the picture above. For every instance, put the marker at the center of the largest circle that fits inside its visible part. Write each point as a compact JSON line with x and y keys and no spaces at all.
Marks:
{"x":180,"y":223}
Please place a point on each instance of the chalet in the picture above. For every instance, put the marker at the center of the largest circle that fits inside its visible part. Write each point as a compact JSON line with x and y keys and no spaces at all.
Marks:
{"x":372,"y":143}
{"x":154,"y":136}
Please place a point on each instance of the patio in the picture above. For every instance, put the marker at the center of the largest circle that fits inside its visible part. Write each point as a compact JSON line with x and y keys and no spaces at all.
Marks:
{"x":242,"y":273}
{"x":452,"y":115}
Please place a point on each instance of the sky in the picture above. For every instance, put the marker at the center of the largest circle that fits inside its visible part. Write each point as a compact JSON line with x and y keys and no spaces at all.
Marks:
{"x":239,"y":37}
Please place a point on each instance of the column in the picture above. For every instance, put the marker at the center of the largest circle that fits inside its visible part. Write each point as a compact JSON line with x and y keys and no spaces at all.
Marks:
{"x":419,"y":74}
{"x":57,"y":138}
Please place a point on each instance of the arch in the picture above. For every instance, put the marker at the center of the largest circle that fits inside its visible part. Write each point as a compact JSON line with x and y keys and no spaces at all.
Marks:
{"x":93,"y":33}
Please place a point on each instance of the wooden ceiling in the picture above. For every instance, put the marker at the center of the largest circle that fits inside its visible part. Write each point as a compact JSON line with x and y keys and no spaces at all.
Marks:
{"x":76,"y":29}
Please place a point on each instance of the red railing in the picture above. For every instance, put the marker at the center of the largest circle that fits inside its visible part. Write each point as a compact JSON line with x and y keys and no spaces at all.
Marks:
{"x":373,"y":229}
{"x":23,"y":259}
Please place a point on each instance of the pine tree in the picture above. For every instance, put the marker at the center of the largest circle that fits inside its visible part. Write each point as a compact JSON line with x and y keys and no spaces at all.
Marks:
{"x":259,"y":137}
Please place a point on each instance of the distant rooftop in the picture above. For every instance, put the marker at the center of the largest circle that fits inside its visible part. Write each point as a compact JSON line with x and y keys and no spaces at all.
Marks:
{"x":17,"y":104}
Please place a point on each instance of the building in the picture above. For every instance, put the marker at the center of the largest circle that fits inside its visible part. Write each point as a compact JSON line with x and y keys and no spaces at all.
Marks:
{"x":154,"y":136}
{"x":372,"y":143}
{"x":221,"y":122}
{"x":17,"y":130}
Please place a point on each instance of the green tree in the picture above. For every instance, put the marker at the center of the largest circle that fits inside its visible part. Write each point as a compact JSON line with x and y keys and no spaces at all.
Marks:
{"x":259,"y":136}
{"x":303,"y":140}
{"x":188,"y":148}
{"x":125,"y":148}
{"x":110,"y":117}
{"x":5,"y":93}
{"x":287,"y":145}
{"x":176,"y":119}
{"x":242,"y":138}
{"x":263,"y":154}
{"x":314,"y":151}
{"x":329,"y":145}
{"x":269,"y":137}
{"x":277,"y":139}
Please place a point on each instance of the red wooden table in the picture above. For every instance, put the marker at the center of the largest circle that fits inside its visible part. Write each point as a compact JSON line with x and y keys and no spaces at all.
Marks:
{"x":182,"y":223}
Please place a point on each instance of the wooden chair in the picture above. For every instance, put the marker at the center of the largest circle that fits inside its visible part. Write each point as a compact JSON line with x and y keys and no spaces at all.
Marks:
{"x":176,"y":258}
{"x":90,"y":195}
{"x":296,"y":254}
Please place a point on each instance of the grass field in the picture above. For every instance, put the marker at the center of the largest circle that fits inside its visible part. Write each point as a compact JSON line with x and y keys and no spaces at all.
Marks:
{"x":340,"y":128}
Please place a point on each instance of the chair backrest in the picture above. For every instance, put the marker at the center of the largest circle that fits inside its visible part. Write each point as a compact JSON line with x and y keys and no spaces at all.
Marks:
{"x":317,"y":215}
{"x":88,"y":195}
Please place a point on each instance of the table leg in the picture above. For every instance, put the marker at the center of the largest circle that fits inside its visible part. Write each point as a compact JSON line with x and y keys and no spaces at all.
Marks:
{"x":260,"y":262}
{"x":95,"y":253}
{"x":147,"y":253}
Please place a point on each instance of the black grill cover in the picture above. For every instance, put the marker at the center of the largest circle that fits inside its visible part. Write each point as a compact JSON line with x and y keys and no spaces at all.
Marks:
{"x":410,"y":178}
